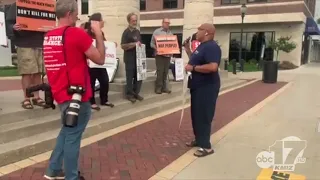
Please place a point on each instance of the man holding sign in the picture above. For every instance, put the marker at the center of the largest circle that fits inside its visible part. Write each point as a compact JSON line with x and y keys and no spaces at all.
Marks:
{"x":165,"y":44}
{"x":129,"y":40}
{"x":29,"y":53}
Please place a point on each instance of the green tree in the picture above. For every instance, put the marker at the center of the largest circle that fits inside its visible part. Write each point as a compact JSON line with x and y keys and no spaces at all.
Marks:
{"x":318,"y":21}
{"x":283,"y":44}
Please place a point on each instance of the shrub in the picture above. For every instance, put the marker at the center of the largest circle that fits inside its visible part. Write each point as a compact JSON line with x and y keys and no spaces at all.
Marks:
{"x":282,"y":44}
{"x":286,"y":65}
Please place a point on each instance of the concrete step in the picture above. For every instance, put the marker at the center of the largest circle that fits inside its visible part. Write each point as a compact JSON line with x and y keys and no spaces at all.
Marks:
{"x":148,"y":85}
{"x":22,"y":139}
{"x":22,"y":114}
{"x":28,"y":127}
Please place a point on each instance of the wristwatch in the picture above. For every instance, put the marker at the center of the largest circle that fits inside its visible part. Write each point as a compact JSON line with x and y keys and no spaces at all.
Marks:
{"x":193,"y":68}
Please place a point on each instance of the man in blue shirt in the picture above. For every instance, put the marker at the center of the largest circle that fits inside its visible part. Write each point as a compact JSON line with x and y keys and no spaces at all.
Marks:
{"x":204,"y":84}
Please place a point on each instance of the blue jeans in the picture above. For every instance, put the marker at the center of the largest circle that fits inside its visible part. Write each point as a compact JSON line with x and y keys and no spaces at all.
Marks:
{"x":68,"y":144}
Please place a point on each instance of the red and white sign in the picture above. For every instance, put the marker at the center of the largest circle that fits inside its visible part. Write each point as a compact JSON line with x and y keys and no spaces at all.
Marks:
{"x":194,"y":45}
{"x":111,"y":55}
{"x":110,"y":63}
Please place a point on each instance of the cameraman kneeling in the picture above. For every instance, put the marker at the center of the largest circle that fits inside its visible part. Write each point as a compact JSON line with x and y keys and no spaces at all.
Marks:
{"x":66,"y":50}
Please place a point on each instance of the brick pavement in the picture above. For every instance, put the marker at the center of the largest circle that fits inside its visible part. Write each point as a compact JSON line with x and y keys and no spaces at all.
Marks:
{"x":141,"y":152}
{"x":10,"y":84}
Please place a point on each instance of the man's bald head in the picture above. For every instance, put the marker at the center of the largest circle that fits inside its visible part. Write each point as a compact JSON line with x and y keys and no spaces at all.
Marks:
{"x":209,"y":28}
{"x":206,"y":32}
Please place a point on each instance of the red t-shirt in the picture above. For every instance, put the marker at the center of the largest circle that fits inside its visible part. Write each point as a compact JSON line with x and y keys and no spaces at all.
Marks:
{"x":74,"y":69}
{"x":194,"y":45}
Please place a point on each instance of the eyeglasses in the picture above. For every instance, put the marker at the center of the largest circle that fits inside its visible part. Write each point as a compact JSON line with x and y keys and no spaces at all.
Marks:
{"x":166,"y":22}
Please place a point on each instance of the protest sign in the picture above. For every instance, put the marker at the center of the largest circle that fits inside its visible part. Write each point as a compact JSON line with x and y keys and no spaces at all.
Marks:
{"x":141,"y":62}
{"x":167,"y":44}
{"x":3,"y":35}
{"x":111,"y":62}
{"x":179,"y":69}
{"x":36,"y":15}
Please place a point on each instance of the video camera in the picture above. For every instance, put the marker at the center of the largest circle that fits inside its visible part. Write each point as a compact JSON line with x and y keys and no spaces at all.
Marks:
{"x":70,"y":119}
{"x":48,"y":97}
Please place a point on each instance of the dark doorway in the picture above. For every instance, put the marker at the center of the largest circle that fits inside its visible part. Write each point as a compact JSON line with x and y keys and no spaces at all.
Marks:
{"x":305,"y":49}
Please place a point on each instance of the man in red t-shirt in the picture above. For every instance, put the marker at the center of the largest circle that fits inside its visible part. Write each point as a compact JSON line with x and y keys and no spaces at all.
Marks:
{"x":66,"y":50}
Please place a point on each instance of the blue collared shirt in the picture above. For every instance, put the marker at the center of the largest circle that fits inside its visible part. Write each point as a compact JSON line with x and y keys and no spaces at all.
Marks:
{"x":206,"y":52}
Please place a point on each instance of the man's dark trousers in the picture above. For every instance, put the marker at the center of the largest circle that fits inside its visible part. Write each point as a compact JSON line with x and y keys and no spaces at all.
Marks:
{"x":133,"y":86}
{"x":173,"y":70}
{"x":203,"y":103}
{"x":162,"y":63}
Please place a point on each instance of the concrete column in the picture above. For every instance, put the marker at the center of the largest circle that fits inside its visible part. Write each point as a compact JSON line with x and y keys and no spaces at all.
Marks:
{"x":115,"y":13}
{"x":196,"y":12}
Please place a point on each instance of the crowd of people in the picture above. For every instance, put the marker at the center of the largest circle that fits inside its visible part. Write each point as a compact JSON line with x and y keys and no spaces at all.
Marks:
{"x":30,"y":59}
{"x":65,"y":52}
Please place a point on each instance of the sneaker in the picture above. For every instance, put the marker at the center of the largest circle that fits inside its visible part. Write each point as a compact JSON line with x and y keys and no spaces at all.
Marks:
{"x":138,"y":97}
{"x":54,"y":176}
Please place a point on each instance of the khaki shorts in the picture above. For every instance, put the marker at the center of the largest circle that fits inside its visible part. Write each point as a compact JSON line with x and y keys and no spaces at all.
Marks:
{"x":30,"y":60}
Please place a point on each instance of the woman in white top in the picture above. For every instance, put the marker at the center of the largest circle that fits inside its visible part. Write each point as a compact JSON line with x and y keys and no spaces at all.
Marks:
{"x":97,"y":72}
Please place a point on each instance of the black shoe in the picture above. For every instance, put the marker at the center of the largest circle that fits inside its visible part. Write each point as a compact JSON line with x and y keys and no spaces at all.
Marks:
{"x":108,"y":104}
{"x":158,"y":91}
{"x":138,"y":97}
{"x":97,"y":108}
{"x":131,"y":99}
{"x":81,"y":177}
{"x":166,"y":91}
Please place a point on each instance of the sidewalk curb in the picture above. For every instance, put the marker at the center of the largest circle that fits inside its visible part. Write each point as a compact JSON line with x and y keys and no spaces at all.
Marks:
{"x":11,"y":78}
{"x":181,"y":163}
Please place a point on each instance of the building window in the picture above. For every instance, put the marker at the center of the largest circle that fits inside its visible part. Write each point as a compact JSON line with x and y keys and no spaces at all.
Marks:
{"x":252,"y":46}
{"x":142,"y":5}
{"x":253,"y":1}
{"x":230,"y":1}
{"x":170,"y":4}
{"x":84,"y":6}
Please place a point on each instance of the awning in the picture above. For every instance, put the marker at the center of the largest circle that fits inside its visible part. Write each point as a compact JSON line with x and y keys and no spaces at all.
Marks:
{"x":312,"y":27}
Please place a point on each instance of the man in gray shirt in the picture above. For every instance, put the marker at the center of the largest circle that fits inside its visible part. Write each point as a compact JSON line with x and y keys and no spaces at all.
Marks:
{"x":162,"y":61}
